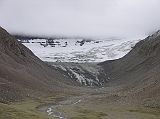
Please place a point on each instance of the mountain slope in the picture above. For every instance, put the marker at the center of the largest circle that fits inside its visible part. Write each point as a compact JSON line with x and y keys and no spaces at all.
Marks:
{"x":86,"y":74}
{"x":139,"y":71}
{"x":22,"y":74}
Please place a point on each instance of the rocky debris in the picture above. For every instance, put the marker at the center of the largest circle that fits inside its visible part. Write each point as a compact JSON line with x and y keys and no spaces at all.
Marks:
{"x":87,"y":74}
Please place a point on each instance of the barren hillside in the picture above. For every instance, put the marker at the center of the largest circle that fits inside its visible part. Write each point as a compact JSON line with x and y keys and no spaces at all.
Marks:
{"x":139,"y":71}
{"x":22,"y":74}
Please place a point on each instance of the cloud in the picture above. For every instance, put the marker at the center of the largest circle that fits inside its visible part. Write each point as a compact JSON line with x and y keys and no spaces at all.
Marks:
{"x":101,"y":18}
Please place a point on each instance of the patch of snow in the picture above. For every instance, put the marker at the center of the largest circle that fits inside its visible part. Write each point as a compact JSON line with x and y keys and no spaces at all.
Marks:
{"x":52,"y":112}
{"x":87,"y":74}
{"x":80,"y":78}
{"x":77,"y":102}
{"x":49,"y":111}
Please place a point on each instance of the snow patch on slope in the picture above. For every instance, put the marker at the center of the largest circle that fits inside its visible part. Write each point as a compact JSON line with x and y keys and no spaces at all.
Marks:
{"x":88,"y":74}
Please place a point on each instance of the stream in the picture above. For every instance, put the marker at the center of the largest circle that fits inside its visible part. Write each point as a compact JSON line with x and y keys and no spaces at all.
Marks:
{"x":52,"y":109}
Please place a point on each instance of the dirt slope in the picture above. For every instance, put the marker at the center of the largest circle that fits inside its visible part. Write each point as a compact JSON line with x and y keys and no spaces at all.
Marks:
{"x":22,"y":74}
{"x":139,"y":71}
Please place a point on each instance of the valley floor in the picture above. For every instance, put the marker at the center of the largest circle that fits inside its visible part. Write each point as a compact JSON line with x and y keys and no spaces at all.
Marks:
{"x":22,"y":110}
{"x":98,"y":105}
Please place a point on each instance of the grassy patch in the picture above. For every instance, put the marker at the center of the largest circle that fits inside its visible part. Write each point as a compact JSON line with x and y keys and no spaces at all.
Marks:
{"x":24,"y":110}
{"x":152,"y":103}
{"x":89,"y":114}
{"x":146,"y":111}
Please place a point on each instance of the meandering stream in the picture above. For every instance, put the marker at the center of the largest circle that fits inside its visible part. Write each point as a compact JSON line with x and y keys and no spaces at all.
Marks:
{"x":52,"y":110}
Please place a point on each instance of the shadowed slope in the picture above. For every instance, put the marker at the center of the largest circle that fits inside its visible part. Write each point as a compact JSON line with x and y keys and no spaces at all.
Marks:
{"x":22,"y":74}
{"x":139,"y":70}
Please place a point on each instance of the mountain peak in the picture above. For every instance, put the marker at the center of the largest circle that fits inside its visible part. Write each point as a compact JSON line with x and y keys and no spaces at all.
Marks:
{"x":10,"y":46}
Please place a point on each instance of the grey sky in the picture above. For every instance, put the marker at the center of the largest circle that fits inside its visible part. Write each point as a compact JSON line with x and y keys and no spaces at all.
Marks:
{"x":101,"y":18}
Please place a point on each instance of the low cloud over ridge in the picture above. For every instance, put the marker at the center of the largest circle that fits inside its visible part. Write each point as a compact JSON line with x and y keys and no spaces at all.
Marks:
{"x":101,"y":18}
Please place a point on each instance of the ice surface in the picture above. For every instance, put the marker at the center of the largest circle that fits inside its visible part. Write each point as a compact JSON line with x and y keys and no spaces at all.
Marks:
{"x":78,"y":50}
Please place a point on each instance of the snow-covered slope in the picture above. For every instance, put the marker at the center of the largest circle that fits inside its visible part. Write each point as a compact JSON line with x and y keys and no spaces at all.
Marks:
{"x":79,"y":49}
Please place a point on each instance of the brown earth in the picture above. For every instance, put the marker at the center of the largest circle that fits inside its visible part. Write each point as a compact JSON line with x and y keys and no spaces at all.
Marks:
{"x":139,"y":71}
{"x":22,"y":74}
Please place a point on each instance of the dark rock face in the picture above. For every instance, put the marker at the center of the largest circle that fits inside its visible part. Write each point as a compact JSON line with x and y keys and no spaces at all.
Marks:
{"x":13,"y":48}
{"x":139,"y":70}
{"x":22,"y":74}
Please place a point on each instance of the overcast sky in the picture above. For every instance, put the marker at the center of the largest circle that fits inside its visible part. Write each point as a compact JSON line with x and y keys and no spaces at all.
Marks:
{"x":101,"y":18}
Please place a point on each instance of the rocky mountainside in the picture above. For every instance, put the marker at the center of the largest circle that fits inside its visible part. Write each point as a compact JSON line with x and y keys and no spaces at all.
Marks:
{"x":22,"y":74}
{"x":139,"y":70}
{"x":86,"y":74}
